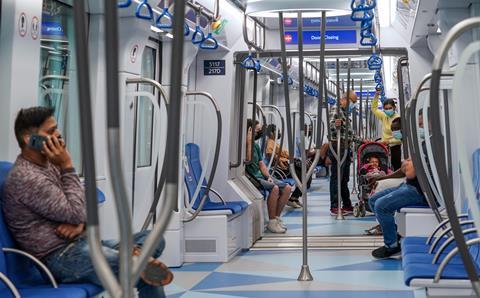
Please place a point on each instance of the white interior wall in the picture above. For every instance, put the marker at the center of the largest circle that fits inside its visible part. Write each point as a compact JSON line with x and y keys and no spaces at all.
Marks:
{"x":20,"y":68}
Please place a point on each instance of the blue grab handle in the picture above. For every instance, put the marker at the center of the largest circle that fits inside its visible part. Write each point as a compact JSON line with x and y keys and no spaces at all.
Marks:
{"x":369,"y":40}
{"x":290,"y":80}
{"x":186,"y":30}
{"x":205,"y":46}
{"x":124,"y":4}
{"x":249,"y":63}
{"x":378,"y":77}
{"x":375,"y":62}
{"x":362,"y":5}
{"x":165,"y":14}
{"x":148,"y":15}
{"x":198,"y":35}
{"x":366,"y":25}
{"x":362,"y":16}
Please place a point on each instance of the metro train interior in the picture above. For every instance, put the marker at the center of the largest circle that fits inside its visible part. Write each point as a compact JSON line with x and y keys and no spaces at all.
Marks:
{"x":239,"y":148}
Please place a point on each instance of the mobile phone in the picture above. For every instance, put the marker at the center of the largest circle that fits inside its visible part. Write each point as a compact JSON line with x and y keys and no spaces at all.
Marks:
{"x":36,"y":142}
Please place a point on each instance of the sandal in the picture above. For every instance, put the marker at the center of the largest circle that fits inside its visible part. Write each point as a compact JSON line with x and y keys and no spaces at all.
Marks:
{"x":374,"y":231}
{"x":156,"y":273}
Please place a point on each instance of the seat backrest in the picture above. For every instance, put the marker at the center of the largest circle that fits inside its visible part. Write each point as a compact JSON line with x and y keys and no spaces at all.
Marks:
{"x":475,"y":250}
{"x":19,"y":269}
{"x":5,"y":168}
{"x":193,"y":172}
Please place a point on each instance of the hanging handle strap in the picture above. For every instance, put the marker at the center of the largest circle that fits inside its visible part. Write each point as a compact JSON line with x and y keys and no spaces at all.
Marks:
{"x":124,"y":4}
{"x":251,"y":64}
{"x":186,"y":30}
{"x":198,"y":35}
{"x":375,"y":62}
{"x":209,"y":42}
{"x":362,"y":16}
{"x":363,"y":5}
{"x":165,"y":15}
{"x":148,"y":15}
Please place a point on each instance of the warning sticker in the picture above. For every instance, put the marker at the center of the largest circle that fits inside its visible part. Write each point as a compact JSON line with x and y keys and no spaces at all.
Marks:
{"x":22,"y":24}
{"x":35,"y":27}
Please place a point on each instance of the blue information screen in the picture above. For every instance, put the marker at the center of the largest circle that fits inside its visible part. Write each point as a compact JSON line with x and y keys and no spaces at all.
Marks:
{"x":52,"y":28}
{"x":341,"y":21}
{"x":214,"y":67}
{"x":331,"y":37}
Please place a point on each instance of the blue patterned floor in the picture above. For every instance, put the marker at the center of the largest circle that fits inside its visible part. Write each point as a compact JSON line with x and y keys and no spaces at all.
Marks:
{"x":320,"y":222}
{"x":337,"y":274}
{"x":273,"y":274}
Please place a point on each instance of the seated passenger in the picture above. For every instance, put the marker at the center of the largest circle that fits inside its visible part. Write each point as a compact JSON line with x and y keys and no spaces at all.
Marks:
{"x":282,"y":161}
{"x":386,"y":202}
{"x":44,"y":208}
{"x":257,"y":172}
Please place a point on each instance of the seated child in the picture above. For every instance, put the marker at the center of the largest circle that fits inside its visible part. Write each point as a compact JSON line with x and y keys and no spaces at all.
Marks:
{"x":372,"y":168}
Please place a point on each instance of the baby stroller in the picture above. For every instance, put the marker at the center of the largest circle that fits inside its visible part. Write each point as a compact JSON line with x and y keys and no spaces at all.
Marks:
{"x":365,"y":152}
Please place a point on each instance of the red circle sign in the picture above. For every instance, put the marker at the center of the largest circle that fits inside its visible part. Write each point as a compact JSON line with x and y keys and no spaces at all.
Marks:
{"x":22,"y":24}
{"x":288,"y":38}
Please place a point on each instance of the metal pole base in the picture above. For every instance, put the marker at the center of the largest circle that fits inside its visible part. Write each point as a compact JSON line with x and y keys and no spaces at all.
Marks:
{"x":305,"y":274}
{"x":340,"y":215}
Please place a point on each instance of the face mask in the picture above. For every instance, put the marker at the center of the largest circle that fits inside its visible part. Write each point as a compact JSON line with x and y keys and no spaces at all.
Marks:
{"x":421,"y":133}
{"x":352,"y":106}
{"x":397,"y":134}
{"x":389,"y":113}
{"x":258,"y":135}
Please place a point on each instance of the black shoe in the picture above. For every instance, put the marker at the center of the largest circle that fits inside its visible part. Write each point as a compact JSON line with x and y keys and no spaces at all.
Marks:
{"x":386,"y":252}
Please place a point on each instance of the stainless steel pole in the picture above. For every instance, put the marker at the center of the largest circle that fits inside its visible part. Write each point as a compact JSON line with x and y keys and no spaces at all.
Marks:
{"x":305,"y":274}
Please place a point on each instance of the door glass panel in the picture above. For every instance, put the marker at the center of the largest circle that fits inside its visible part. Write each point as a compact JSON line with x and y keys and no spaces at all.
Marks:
{"x":57,"y":77}
{"x":145,"y":111}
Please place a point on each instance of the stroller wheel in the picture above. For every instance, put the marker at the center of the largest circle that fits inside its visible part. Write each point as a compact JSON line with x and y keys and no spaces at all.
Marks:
{"x":363,"y":212}
{"x":356,"y":210}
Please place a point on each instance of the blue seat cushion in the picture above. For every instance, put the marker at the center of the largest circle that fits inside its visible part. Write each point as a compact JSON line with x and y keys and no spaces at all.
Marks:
{"x":408,"y":248}
{"x":91,"y":289}
{"x":235,"y":207}
{"x":414,"y":240}
{"x":422,"y":258}
{"x":427,"y":271}
{"x":47,"y":293}
{"x":289,"y":181}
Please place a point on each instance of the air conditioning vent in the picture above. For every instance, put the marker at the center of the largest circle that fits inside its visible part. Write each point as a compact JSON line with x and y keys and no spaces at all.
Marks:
{"x":192,"y":246}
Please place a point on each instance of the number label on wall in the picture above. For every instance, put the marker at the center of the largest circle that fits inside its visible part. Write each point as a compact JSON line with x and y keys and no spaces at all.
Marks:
{"x":214,"y":67}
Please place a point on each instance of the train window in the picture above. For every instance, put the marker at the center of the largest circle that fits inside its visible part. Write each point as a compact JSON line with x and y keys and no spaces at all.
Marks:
{"x":57,"y":78}
{"x":145,"y":111}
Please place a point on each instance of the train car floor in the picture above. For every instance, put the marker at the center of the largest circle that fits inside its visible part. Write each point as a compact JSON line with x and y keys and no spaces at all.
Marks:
{"x":337,"y":274}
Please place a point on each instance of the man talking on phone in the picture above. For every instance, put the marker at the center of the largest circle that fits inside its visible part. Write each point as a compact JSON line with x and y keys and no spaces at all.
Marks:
{"x":45,"y":208}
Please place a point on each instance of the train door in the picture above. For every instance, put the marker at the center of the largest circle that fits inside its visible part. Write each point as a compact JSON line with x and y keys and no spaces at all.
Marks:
{"x":145,"y":165}
{"x":57,"y":77}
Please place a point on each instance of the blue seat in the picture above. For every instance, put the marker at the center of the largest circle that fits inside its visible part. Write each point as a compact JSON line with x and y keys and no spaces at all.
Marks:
{"x":417,"y":262}
{"x":24,"y":273}
{"x":192,"y":178}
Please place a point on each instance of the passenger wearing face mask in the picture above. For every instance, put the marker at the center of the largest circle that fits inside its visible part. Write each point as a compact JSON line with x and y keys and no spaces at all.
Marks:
{"x":257,"y":173}
{"x":282,"y":162}
{"x":387,"y":116}
{"x":347,"y":136}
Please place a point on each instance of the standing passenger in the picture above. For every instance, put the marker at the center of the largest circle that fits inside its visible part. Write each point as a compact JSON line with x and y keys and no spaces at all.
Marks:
{"x":347,"y":136}
{"x":387,"y":116}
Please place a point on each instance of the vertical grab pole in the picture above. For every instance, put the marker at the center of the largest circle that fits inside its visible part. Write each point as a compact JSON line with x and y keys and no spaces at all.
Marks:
{"x":99,"y":261}
{"x":173,"y":139}
{"x":254,"y":115}
{"x":337,"y":154}
{"x":288,"y":115}
{"x":305,"y":274}
{"x":355,"y":129}
{"x":114,"y":145}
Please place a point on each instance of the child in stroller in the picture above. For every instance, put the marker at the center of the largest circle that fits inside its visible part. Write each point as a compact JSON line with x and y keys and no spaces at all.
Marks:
{"x":373,"y":161}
